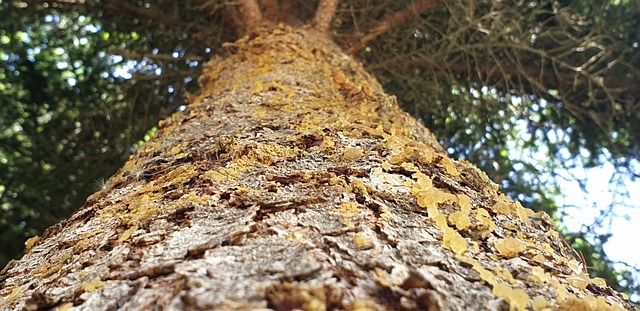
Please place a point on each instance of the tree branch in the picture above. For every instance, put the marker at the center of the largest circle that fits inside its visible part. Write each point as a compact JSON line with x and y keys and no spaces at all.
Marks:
{"x":324,"y":15}
{"x":537,"y":82}
{"x":552,"y":79}
{"x":119,"y":6}
{"x":395,"y":19}
{"x":251,"y":14}
{"x":161,"y":57}
{"x":140,"y":77}
{"x":272,"y":11}
{"x":230,"y":16}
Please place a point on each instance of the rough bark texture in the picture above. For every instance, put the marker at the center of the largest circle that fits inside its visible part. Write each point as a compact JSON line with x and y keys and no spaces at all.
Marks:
{"x":294,"y":181}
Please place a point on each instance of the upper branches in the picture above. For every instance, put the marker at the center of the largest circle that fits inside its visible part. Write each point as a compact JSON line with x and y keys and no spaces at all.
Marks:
{"x":273,"y":12}
{"x":392,"y":21}
{"x":571,"y":72}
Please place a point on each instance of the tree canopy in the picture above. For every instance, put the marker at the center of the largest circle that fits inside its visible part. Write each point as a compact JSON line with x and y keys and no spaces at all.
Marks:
{"x":83,"y":83}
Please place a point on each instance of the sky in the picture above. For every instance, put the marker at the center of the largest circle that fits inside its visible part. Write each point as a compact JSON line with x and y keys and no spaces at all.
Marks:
{"x":597,"y":200}
{"x":624,"y":225}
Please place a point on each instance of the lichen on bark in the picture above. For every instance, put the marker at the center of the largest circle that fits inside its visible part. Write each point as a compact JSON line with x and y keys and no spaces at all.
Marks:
{"x":294,"y":181}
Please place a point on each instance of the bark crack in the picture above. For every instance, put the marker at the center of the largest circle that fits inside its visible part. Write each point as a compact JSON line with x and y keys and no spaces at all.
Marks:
{"x":150,"y":272}
{"x":266,"y":208}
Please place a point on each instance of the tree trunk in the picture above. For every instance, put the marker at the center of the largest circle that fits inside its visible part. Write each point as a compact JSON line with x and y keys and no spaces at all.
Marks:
{"x":294,"y":181}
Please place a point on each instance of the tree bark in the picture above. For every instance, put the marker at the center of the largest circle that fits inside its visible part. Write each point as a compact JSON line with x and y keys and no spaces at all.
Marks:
{"x":294,"y":181}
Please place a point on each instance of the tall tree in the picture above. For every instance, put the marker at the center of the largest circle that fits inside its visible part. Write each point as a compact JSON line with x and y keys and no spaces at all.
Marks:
{"x":294,"y":181}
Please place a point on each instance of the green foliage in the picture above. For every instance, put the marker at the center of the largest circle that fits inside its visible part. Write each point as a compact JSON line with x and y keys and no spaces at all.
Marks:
{"x":523,"y":89}
{"x":48,"y":108}
{"x":66,"y":118}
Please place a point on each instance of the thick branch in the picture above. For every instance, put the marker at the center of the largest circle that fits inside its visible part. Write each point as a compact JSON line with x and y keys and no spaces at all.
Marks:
{"x":251,"y":14}
{"x":206,"y":6}
{"x":229,"y":15}
{"x":395,"y":19}
{"x":324,"y":15}
{"x":272,"y":11}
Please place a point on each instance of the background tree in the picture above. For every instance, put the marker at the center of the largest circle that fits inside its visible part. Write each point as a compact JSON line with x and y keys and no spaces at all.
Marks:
{"x":493,"y":80}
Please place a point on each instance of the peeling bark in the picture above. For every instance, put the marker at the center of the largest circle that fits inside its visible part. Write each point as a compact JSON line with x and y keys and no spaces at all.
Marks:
{"x":294,"y":181}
